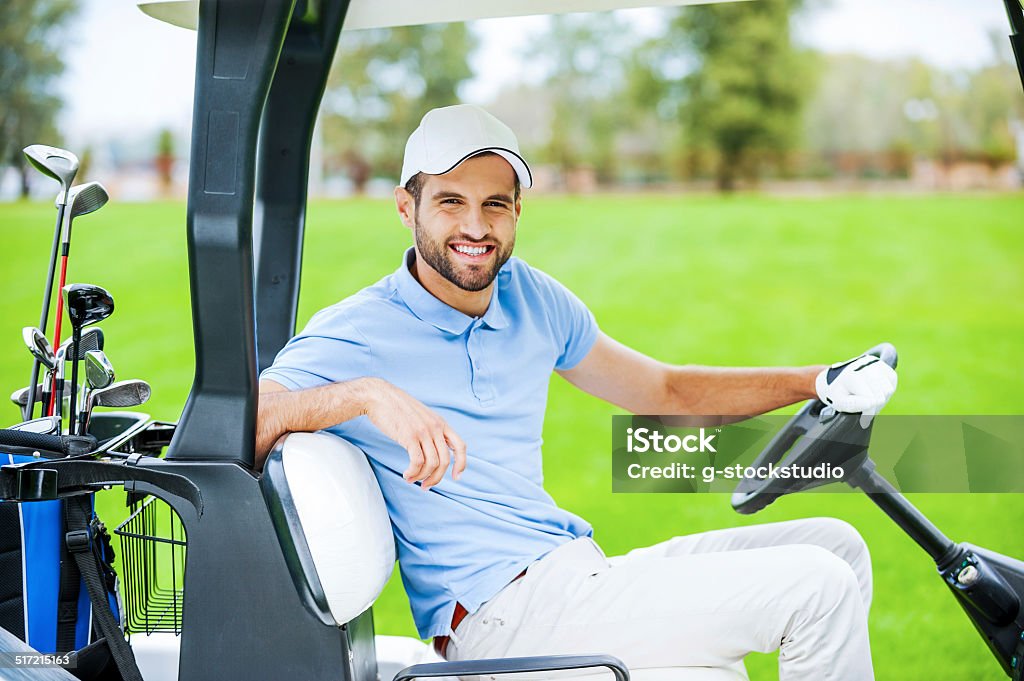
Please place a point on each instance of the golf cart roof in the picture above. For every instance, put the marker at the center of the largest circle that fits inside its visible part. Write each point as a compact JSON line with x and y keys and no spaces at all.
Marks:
{"x":385,"y":13}
{"x":261,"y":69}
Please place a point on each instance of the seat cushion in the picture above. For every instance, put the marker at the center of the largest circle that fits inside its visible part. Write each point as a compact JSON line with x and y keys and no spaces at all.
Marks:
{"x":332,"y":523}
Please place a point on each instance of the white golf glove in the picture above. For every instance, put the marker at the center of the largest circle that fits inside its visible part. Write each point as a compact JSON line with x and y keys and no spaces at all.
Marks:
{"x":861,"y":385}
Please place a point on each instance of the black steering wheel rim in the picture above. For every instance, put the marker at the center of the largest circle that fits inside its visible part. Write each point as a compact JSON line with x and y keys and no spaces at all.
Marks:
{"x":815,"y":434}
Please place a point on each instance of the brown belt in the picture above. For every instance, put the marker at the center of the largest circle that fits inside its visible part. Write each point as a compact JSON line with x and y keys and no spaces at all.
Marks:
{"x":441,"y":642}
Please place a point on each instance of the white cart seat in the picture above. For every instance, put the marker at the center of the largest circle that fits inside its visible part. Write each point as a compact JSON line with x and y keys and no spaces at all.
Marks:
{"x":332,"y":524}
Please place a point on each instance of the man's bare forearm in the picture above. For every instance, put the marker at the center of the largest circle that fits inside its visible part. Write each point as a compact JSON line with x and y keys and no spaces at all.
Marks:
{"x":430,"y":442}
{"x":729,"y":391}
{"x":284,"y":411}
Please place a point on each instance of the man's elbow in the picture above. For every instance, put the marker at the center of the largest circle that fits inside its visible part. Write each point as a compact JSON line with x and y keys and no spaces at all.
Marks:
{"x":266,"y":439}
{"x":268,"y":420}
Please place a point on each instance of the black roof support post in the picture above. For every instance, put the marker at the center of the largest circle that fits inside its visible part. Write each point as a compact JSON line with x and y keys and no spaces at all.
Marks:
{"x":238,"y":47}
{"x":283,"y":168}
{"x":1016,"y":15}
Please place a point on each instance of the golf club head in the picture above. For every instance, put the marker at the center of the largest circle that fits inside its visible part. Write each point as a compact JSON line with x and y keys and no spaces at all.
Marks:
{"x":99,"y":372}
{"x":47,"y":425}
{"x":39,"y":346}
{"x":92,"y":339}
{"x":87,"y":304}
{"x":86,"y":198}
{"x":130,"y":393}
{"x":57,"y":163}
{"x":20,"y":396}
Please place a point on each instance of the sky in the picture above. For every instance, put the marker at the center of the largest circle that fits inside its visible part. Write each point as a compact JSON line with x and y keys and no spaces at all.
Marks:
{"x":129,"y":75}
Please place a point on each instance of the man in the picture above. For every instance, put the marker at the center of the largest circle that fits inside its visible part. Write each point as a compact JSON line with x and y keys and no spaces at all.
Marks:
{"x":447,"y":361}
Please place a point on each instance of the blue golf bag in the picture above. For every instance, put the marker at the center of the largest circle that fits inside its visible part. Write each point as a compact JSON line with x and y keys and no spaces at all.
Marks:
{"x":47,"y":551}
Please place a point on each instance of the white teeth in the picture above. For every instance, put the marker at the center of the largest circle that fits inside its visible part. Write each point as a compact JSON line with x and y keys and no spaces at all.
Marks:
{"x":471,"y":250}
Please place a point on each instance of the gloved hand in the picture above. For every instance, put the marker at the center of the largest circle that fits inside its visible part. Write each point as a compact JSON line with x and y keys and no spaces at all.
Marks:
{"x":860,"y":385}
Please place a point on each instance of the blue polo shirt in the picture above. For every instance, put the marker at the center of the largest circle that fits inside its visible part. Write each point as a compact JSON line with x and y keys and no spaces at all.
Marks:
{"x":487,"y":377}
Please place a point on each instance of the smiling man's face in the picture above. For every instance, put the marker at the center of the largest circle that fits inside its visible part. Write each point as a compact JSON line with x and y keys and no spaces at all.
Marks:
{"x":465,"y":221}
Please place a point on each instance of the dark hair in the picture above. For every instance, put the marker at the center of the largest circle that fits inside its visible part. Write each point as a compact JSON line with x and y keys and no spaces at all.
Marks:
{"x":415,"y":184}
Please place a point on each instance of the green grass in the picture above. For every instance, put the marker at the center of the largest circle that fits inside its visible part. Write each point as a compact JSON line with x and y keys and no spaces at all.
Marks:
{"x":744,"y":281}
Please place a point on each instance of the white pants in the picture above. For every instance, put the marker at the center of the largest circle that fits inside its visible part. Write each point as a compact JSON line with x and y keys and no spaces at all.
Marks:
{"x":692,"y":607}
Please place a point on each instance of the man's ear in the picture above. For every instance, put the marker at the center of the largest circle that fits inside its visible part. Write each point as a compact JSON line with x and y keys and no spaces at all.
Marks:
{"x":519,"y":208}
{"x":406,"y":206}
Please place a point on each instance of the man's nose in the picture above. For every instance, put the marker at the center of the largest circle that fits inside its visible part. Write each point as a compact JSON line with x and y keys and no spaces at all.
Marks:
{"x":476,"y":225}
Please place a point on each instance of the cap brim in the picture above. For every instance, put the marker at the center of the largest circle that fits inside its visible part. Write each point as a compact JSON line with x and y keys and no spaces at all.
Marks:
{"x":515,"y":160}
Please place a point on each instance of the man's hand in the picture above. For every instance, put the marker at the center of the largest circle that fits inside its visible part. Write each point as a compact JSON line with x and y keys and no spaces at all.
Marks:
{"x":424,"y":434}
{"x":863,"y":384}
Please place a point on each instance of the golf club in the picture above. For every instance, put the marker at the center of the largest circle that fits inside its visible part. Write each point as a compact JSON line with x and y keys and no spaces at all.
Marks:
{"x":82,"y":200}
{"x":99,"y":374}
{"x":92,"y":339}
{"x":87,"y":304}
{"x":20,"y":396}
{"x":130,"y":393}
{"x":39,"y":346}
{"x":46,"y":425}
{"x":62,"y":166}
{"x":42,"y":353}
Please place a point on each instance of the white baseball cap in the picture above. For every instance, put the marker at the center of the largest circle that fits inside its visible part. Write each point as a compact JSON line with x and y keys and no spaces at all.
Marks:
{"x":448,"y":136}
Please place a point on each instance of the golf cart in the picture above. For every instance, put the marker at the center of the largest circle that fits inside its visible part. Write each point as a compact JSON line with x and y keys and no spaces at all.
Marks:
{"x":268,"y":592}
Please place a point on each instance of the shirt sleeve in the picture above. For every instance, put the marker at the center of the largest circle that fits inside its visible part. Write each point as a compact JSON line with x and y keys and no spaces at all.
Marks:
{"x":573,"y":324}
{"x":330,"y":349}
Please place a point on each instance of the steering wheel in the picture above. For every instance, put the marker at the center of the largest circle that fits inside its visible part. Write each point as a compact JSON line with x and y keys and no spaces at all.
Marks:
{"x":817,"y":434}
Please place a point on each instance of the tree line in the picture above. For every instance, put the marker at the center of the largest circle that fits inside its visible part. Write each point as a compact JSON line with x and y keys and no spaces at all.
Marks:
{"x":719,"y":92}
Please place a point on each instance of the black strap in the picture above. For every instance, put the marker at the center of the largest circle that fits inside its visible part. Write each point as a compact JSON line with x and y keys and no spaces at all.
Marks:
{"x":67,"y":599}
{"x":82,"y":475}
{"x":79,"y":542}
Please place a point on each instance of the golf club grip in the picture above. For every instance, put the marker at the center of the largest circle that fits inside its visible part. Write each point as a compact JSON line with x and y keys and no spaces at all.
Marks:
{"x":64,"y":444}
{"x":885,"y":352}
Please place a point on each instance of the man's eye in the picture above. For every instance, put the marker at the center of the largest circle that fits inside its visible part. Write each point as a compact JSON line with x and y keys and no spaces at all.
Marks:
{"x":450,"y":201}
{"x":496,"y":204}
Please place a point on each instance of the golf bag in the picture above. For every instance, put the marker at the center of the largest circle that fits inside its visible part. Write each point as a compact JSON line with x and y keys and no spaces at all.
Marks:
{"x":48,"y":551}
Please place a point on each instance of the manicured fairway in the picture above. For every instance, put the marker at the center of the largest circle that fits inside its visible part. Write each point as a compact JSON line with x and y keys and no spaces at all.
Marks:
{"x":744,"y":281}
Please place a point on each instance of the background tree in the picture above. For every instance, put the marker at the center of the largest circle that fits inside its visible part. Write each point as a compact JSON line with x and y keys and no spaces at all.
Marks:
{"x":382,"y":83}
{"x":867,"y":109}
{"x":164,"y":160}
{"x":868,"y":112}
{"x":736,"y":81}
{"x":584,"y":57}
{"x":991,"y":105}
{"x":30,"y":63}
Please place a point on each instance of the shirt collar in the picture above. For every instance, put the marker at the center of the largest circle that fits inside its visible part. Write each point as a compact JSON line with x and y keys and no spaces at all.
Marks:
{"x":431,"y":310}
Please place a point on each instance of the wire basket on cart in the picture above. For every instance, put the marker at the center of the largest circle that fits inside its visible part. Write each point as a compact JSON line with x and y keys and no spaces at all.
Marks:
{"x":153,"y":567}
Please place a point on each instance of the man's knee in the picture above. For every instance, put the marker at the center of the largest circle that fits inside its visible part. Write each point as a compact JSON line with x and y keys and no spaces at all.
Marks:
{"x":822,"y":578}
{"x":841,"y":537}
